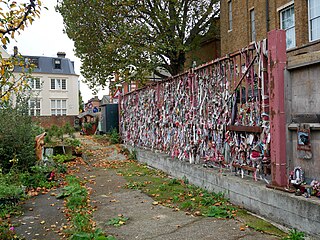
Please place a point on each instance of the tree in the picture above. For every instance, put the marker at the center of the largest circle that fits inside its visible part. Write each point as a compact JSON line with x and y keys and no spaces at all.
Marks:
{"x":14,"y":19}
{"x":17,"y":133}
{"x":111,"y":36}
{"x":81,"y":109}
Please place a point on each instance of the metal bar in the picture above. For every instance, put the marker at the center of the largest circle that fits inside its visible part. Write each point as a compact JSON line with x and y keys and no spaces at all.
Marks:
{"x":276,"y":66}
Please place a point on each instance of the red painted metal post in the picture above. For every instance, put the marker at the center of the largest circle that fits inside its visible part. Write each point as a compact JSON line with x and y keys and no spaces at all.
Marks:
{"x":120,"y":99}
{"x":276,"y":65}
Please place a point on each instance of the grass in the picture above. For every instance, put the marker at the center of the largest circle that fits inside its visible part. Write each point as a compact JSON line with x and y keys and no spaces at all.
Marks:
{"x":175,"y":193}
{"x":259,"y":224}
{"x":118,"y":221}
{"x":179,"y":194}
{"x":80,"y":212}
{"x":294,"y":234}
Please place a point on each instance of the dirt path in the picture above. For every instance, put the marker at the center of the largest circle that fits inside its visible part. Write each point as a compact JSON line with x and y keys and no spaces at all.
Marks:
{"x":146,"y":221}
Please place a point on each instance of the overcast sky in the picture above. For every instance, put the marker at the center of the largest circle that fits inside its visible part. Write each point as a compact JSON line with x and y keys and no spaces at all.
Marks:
{"x":45,"y":37}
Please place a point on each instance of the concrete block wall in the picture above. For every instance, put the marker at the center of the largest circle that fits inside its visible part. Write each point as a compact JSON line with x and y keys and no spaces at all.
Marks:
{"x":281,"y":207}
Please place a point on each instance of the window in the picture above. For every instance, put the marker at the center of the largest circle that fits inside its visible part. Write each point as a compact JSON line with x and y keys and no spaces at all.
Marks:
{"x":253,"y":26}
{"x":31,"y":61}
{"x":58,"y":84}
{"x":35,"y":83}
{"x":230,"y":15}
{"x":314,"y":20}
{"x":288,"y":24}
{"x":57,"y":63}
{"x":34,"y":107}
{"x":58,"y":107}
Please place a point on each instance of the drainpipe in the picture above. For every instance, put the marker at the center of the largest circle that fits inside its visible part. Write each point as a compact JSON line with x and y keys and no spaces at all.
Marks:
{"x":247,"y":22}
{"x":267,"y":16}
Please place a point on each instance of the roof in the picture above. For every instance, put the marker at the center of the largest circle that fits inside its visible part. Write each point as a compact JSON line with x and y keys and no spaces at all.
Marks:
{"x":92,"y":114}
{"x":4,"y":53}
{"x":46,"y":65}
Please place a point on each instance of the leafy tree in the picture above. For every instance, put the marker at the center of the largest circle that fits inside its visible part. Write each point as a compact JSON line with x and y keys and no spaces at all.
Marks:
{"x":17,"y":134}
{"x":133,"y":38}
{"x":81,"y":109}
{"x":14,"y":19}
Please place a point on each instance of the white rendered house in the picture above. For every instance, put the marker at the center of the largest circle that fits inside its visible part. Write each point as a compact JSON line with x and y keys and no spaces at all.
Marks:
{"x":54,"y":87}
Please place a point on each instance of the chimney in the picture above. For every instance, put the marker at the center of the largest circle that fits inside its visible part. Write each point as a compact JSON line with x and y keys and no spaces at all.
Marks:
{"x":61,"y":54}
{"x":15,"y":51}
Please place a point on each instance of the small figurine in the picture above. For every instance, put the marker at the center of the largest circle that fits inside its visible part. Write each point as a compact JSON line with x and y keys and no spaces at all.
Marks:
{"x":39,"y":143}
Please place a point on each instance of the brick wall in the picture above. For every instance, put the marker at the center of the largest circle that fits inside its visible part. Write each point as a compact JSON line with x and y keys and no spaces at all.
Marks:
{"x":240,"y":35}
{"x":208,"y":51}
{"x":48,"y":121}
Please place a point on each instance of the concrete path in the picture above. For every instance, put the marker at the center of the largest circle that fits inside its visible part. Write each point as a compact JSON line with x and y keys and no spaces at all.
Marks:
{"x":43,"y":217}
{"x":147,"y":221}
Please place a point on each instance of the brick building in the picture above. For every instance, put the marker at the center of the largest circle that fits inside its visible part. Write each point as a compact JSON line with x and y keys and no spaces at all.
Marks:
{"x":208,"y":49}
{"x":247,"y":21}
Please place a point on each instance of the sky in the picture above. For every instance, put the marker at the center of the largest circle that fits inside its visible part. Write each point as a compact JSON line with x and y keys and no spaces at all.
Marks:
{"x":45,"y":37}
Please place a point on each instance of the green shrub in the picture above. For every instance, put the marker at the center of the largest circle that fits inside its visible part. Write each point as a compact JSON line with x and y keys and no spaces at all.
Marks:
{"x":58,"y":133}
{"x":68,"y":129}
{"x":10,"y":192}
{"x":17,"y":139}
{"x":73,"y":142}
{"x":62,"y":158}
{"x":114,"y":136}
{"x":7,"y":231}
{"x":37,"y":177}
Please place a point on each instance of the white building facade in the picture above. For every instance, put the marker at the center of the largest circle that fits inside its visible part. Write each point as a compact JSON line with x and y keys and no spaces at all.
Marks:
{"x":54,"y":88}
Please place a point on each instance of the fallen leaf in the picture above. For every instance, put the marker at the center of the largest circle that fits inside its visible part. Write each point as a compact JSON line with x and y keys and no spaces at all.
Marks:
{"x":42,"y":222}
{"x":155,"y":203}
{"x":197,"y":213}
